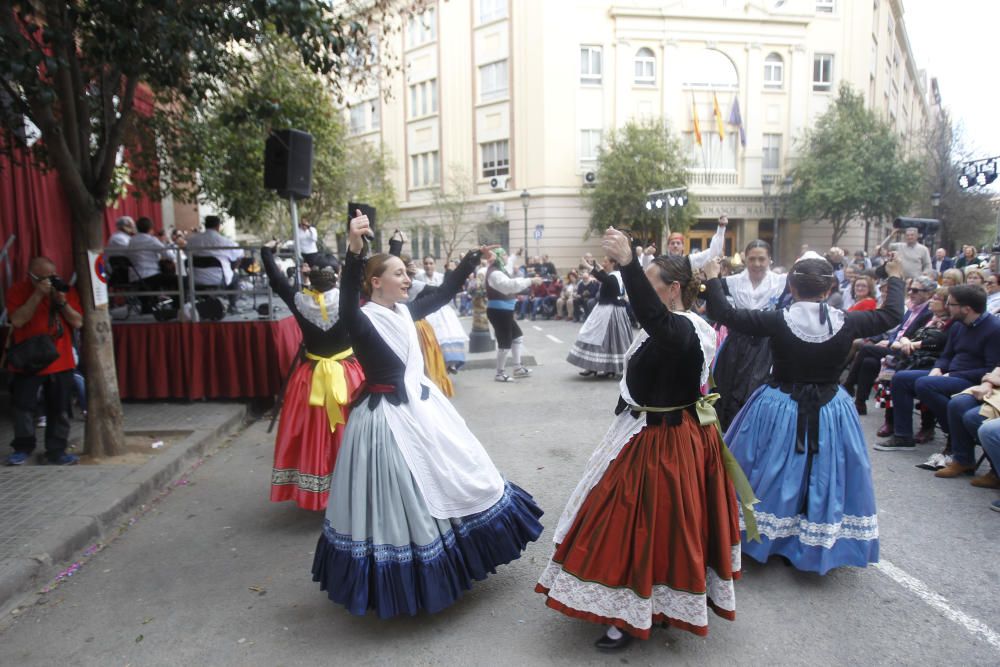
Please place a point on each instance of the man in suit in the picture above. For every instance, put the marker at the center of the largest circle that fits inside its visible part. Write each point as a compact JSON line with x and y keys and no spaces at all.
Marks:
{"x":942,"y":262}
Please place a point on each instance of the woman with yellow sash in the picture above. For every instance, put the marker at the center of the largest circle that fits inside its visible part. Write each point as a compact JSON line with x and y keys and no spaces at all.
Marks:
{"x":319,"y":392}
{"x":651,"y":535}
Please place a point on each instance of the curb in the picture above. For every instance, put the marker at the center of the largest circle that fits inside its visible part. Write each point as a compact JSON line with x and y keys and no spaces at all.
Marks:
{"x":20,"y":577}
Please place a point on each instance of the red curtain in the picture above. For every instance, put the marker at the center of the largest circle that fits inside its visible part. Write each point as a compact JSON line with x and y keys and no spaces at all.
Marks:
{"x":33,"y":206}
{"x":208,"y":360}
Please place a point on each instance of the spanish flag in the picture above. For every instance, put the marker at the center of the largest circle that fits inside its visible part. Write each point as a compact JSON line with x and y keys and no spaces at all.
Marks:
{"x":718,"y":117}
{"x":697,"y":127}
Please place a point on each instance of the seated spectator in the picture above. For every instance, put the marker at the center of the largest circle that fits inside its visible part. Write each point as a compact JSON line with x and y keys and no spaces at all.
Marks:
{"x":973,"y":348}
{"x":585,"y":296}
{"x":965,"y":417}
{"x":861,"y":261}
{"x":124,"y":230}
{"x":564,"y":304}
{"x":881,"y":256}
{"x":967,"y":258}
{"x":919,"y":351}
{"x":993,"y":294}
{"x":147,"y":254}
{"x":548,"y":268}
{"x":863,"y":294}
{"x":952,"y":277}
{"x":975,"y":276}
{"x":867,"y":362}
{"x":545,"y":305}
{"x":941,"y":262}
{"x":211,"y":243}
{"x":989,"y":438}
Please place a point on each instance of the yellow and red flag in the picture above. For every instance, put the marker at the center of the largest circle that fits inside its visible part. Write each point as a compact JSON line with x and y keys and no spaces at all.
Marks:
{"x":697,"y":127}
{"x":718,"y":117}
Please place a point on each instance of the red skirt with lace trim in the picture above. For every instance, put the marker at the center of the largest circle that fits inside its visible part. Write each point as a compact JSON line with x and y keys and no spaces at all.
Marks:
{"x":305,"y":450}
{"x":657,"y":540}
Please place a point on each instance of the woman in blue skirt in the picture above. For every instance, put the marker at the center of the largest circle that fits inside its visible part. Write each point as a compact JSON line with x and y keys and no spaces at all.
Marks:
{"x":417,"y":510}
{"x":798,"y":438}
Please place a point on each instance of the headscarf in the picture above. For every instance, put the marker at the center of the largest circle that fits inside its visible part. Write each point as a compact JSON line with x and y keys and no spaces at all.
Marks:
{"x":500,"y":259}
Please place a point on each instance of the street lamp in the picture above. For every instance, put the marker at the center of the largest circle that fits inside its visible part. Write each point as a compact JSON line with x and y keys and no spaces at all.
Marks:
{"x":767,"y":184}
{"x":666,"y":199}
{"x":525,"y":202}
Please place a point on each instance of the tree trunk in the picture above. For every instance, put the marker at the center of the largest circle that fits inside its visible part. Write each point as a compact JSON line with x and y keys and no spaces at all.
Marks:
{"x":104,"y":434}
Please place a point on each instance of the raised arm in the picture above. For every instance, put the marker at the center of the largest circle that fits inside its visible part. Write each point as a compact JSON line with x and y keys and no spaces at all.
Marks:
{"x":451,"y":286}
{"x":753,"y":322}
{"x":889,"y":315}
{"x":275,"y":277}
{"x":715,"y":247}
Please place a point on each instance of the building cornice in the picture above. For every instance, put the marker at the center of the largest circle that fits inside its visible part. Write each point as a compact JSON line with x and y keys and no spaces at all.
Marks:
{"x":753,"y":13}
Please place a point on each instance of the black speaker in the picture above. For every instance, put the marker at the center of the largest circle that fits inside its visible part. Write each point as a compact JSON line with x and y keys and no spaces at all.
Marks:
{"x":352,"y":209}
{"x":288,"y":157}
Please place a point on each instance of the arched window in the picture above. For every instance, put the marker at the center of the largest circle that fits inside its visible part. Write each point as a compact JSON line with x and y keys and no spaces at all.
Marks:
{"x":645,"y":67}
{"x":707,"y":68}
{"x":774,"y":71}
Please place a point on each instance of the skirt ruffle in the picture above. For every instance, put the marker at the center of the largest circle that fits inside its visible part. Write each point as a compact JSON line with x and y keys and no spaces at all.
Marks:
{"x":381,"y":549}
{"x":609,"y":356}
{"x":656,"y":540}
{"x":305,"y":449}
{"x":840,"y":524}
{"x":434,"y":366}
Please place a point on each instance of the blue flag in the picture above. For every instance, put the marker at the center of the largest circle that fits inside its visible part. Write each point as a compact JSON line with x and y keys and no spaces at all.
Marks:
{"x":736,"y":119}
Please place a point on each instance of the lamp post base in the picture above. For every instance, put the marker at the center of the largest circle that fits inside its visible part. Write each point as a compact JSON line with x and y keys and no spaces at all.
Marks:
{"x":481,"y":341}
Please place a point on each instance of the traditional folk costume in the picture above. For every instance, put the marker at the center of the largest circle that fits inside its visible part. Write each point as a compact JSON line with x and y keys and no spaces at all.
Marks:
{"x":447,"y":327}
{"x":799,"y":439}
{"x":418,"y":511}
{"x":745,"y":359}
{"x":501,"y":291}
{"x":605,"y":336}
{"x":651,"y":533}
{"x":317,"y":396}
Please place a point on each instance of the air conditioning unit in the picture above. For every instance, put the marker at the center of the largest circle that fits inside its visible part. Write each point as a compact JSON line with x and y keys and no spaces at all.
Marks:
{"x":590,"y":179}
{"x":495,"y":210}
{"x":499,"y":183}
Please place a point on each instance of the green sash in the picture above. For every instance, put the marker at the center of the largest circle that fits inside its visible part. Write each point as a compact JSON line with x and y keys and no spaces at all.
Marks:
{"x":705,"y":409}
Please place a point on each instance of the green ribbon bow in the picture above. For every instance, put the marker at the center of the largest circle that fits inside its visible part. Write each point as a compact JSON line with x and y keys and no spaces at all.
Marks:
{"x":705,"y":409}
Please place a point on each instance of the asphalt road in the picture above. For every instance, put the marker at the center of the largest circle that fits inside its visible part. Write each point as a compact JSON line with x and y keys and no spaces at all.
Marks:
{"x":215,"y":574}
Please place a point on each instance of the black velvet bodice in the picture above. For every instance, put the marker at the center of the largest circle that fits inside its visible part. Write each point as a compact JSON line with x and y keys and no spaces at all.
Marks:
{"x":379,"y":362}
{"x":322,"y":343}
{"x":610,"y":290}
{"x":666,"y":369}
{"x":796,"y":360}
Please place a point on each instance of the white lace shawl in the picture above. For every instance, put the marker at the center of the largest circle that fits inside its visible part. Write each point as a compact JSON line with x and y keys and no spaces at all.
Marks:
{"x":310,"y":310}
{"x":803,"y":319}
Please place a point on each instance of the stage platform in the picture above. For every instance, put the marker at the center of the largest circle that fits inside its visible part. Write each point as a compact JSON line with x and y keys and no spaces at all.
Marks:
{"x":240,"y":357}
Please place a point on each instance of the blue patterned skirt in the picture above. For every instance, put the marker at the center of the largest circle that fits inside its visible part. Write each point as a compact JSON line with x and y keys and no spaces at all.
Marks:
{"x":381,"y":549}
{"x":819,"y":519}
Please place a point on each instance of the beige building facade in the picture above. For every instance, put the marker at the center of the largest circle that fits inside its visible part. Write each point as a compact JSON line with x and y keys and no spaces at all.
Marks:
{"x":496,"y":98}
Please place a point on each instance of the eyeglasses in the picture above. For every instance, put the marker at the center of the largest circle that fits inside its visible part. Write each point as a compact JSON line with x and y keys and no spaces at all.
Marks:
{"x":952,"y":304}
{"x":914,"y":290}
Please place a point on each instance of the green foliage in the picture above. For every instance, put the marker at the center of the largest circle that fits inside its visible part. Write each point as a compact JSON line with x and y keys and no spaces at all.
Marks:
{"x":852,"y":166}
{"x":638,"y":158}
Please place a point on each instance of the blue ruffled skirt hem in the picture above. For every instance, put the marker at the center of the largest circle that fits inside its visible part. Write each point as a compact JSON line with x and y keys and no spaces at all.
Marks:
{"x":398,"y":580}
{"x":819,"y":517}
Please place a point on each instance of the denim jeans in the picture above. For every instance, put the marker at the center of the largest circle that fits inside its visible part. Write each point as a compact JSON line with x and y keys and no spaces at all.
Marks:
{"x":964,"y":421}
{"x":936,"y":393}
{"x":989,"y":438}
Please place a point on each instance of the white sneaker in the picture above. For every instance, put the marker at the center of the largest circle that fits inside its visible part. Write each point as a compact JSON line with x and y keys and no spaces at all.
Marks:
{"x":521,"y":372}
{"x":503,"y":377}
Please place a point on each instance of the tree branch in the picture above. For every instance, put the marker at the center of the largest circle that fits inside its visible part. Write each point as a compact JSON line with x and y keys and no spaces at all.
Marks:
{"x":109,"y":84}
{"x":114,"y":139}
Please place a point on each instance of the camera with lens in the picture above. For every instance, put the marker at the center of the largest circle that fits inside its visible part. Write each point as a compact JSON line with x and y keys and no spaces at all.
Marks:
{"x":58,"y":284}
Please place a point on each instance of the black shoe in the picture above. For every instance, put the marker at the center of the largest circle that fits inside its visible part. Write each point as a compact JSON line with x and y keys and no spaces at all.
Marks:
{"x":896,"y":443}
{"x":861,"y":407}
{"x":587,"y":374}
{"x":605,"y":643}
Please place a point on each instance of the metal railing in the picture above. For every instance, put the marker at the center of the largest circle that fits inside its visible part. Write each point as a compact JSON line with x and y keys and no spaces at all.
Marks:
{"x":187,"y":291}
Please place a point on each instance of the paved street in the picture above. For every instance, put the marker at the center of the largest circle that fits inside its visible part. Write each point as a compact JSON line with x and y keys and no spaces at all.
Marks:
{"x":215,"y":574}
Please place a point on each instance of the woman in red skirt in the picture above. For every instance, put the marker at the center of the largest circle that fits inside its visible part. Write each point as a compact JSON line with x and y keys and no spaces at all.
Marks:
{"x":651,"y":534}
{"x":319,"y":392}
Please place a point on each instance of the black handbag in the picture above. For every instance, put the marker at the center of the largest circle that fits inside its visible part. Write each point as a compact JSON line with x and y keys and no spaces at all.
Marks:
{"x":36,"y":353}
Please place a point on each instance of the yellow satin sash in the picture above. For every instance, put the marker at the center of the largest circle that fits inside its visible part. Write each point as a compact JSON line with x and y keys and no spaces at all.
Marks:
{"x":320,"y":301}
{"x":705,"y":409}
{"x":329,"y":385}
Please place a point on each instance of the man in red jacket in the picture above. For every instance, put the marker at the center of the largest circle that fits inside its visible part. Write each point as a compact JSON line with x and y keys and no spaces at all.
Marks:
{"x":43,"y":305}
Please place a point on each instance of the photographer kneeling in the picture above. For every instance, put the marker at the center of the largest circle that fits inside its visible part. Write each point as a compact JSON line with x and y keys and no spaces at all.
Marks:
{"x":44,"y":310}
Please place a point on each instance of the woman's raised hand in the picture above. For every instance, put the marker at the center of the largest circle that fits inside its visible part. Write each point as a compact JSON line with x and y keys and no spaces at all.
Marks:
{"x":360,"y":229}
{"x":617,"y":246}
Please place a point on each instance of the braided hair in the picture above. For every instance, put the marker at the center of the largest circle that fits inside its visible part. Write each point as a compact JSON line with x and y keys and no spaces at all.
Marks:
{"x":677,"y":269}
{"x":812,"y":278}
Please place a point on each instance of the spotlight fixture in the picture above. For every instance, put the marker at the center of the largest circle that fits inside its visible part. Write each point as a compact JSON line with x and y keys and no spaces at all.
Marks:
{"x":649,"y":205}
{"x":659,"y":203}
